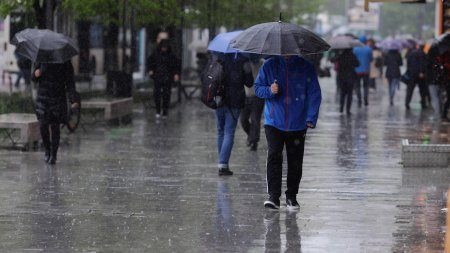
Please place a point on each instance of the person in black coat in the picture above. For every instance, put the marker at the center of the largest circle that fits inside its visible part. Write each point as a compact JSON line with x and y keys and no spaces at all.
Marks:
{"x":55,"y":81}
{"x":393,"y":61}
{"x":164,"y":68}
{"x":416,"y":68}
{"x":346,"y":76}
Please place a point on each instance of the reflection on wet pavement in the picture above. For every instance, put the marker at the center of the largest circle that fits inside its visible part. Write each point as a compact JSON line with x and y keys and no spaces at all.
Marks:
{"x":153,"y":187}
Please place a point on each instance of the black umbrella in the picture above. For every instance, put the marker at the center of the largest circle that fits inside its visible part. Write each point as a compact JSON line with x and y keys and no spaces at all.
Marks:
{"x":279,"y":38}
{"x":440,"y":45}
{"x":44,"y":46}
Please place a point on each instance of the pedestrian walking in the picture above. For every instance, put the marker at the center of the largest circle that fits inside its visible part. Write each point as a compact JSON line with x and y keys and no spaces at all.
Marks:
{"x":164,"y":69}
{"x":416,"y":69}
{"x":252,"y":111}
{"x":434,"y":79}
{"x":292,"y":96}
{"x":393,"y":61}
{"x":235,"y":76}
{"x":347,"y":77}
{"x":24,"y":65}
{"x":376,"y":66}
{"x":444,"y":67}
{"x":364,"y":55}
{"x":55,"y":81}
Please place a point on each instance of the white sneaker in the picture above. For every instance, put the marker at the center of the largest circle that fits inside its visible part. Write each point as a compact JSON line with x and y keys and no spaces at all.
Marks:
{"x":158,"y":115}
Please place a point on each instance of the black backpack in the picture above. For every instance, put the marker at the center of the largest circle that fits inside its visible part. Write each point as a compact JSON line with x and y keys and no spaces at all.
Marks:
{"x":213,"y":86}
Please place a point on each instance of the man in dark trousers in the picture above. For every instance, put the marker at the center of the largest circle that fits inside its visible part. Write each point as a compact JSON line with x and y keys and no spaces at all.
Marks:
{"x":252,"y":111}
{"x":416,"y":68}
{"x":164,"y":69}
{"x":346,"y":76}
{"x":364,"y":55}
{"x":292,"y":93}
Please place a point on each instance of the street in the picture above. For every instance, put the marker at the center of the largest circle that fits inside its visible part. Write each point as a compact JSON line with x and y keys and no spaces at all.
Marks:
{"x":152,"y":186}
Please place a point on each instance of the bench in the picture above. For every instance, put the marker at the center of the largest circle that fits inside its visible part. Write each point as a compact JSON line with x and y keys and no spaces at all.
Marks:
{"x":425,"y":155}
{"x":190,"y":87}
{"x":84,"y":78}
{"x":27,"y":124}
{"x":114,"y":108}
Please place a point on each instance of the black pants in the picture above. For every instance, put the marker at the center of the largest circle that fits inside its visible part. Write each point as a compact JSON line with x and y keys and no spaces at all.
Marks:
{"x":251,"y":118}
{"x":447,"y":103}
{"x":423,"y":90}
{"x":365,"y":80}
{"x":346,"y":94}
{"x":50,"y":133}
{"x":295,"y":144}
{"x":162,"y":89}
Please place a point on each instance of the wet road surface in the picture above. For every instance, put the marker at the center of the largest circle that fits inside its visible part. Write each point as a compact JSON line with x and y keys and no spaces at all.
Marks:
{"x":152,"y":186}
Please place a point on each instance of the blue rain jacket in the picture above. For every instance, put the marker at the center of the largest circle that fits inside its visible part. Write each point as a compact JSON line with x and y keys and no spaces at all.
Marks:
{"x":364,"y":55}
{"x":299,"y":96}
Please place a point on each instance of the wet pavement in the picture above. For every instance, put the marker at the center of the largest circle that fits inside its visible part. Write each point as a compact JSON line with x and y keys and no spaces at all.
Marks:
{"x":152,"y":186}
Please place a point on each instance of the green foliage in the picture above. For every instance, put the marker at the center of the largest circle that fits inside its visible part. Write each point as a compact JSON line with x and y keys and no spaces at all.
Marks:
{"x":200,"y":13}
{"x":7,"y":6}
{"x":244,"y":13}
{"x":16,"y":103}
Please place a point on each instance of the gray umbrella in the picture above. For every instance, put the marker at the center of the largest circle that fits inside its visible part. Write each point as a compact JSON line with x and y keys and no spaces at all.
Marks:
{"x":343,"y":42}
{"x":279,"y":38}
{"x":44,"y":46}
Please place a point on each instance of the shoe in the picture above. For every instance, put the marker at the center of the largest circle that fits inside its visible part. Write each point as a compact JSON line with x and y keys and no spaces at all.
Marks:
{"x":47,"y":156}
{"x":407,"y":107}
{"x":292,"y":204}
{"x":272,"y":203}
{"x":52,"y":160}
{"x":158,"y":116}
{"x":366,"y":103}
{"x":225,"y":172}
{"x":445,"y":119}
{"x":254,"y":146}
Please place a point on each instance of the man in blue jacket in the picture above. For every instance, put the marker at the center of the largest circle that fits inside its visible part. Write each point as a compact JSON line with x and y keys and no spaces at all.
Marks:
{"x":364,"y":55}
{"x":292,"y":96}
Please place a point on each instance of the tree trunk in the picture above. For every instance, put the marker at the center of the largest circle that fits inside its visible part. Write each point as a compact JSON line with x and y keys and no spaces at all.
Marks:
{"x":111,"y":43}
{"x":40,"y":14}
{"x":84,"y":45}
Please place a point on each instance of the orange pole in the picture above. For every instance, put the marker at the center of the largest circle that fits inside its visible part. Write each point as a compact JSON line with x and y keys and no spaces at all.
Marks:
{"x":441,"y":17}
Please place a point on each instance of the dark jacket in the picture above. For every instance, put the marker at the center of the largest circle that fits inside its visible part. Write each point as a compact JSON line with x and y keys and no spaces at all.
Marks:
{"x":235,"y":77}
{"x":393,"y":61}
{"x":416,"y":63}
{"x":55,"y":83}
{"x":163,"y":64}
{"x":347,"y":64}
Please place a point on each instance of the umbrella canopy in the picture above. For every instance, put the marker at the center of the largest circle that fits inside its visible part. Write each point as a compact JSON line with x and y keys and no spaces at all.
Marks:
{"x":44,"y":46}
{"x":343,"y":42}
{"x":279,"y":38}
{"x":393,"y":44}
{"x":221,"y":43}
{"x":441,"y":44}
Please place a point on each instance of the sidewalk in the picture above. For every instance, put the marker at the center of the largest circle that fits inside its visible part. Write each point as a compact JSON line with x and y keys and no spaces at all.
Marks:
{"x":152,"y":186}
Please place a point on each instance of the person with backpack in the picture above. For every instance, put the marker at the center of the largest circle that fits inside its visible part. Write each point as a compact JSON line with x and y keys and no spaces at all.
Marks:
{"x":229,"y":79}
{"x":292,"y":96}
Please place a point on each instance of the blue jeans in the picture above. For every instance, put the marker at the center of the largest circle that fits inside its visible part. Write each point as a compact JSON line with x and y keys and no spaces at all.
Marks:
{"x":227,"y":119}
{"x":393,"y":85}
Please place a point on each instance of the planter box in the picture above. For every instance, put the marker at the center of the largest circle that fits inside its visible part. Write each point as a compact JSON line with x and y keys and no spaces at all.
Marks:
{"x":425,"y":155}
